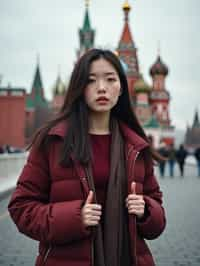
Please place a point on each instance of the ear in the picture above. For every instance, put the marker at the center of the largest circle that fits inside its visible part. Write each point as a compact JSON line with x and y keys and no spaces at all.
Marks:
{"x":120,"y":92}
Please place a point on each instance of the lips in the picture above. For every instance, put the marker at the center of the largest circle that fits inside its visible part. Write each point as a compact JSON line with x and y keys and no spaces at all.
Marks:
{"x":102,"y":99}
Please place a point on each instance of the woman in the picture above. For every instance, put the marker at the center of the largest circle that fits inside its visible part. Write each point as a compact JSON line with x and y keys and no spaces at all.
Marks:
{"x":87,"y":192}
{"x":181,"y":155}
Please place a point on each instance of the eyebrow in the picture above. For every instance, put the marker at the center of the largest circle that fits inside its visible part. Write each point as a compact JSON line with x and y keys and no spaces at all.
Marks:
{"x":106,"y":74}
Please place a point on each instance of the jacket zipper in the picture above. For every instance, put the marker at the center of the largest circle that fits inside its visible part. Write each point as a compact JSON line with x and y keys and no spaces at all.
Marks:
{"x":46,"y":255}
{"x":135,"y":227}
{"x":92,"y":239}
{"x":92,"y":251}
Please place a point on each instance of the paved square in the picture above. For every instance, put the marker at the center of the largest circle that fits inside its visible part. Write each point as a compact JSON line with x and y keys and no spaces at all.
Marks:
{"x":179,"y":245}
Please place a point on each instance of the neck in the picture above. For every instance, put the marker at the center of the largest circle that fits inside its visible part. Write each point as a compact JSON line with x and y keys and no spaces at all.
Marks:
{"x":99,"y":123}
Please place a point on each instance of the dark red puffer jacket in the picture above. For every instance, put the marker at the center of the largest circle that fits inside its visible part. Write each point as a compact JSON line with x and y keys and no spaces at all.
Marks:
{"x":46,"y":204}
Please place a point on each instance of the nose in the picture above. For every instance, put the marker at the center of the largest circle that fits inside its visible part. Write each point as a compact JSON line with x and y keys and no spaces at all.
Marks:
{"x":101,"y":87}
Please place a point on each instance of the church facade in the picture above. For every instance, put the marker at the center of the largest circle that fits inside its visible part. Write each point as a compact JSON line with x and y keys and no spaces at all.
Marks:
{"x":150,"y":101}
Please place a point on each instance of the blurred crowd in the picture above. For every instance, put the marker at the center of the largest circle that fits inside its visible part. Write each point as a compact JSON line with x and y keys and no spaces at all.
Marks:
{"x":10,"y":149}
{"x":177,"y":156}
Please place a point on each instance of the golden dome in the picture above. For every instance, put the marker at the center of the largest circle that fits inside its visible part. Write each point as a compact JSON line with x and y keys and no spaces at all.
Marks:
{"x":126,"y":6}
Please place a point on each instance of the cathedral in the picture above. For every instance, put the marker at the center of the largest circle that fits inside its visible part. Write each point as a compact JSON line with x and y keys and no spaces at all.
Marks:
{"x":192,"y":135}
{"x":150,"y":102}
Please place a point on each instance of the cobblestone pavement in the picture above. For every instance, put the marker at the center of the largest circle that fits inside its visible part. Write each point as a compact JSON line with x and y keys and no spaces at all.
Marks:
{"x":178,"y":245}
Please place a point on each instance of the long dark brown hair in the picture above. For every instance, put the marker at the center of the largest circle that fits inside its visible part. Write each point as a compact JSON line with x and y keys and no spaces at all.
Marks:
{"x":75,"y":111}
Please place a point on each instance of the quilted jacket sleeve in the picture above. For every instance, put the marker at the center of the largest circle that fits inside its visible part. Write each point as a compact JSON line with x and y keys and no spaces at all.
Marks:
{"x":29,"y":207}
{"x":154,"y":223}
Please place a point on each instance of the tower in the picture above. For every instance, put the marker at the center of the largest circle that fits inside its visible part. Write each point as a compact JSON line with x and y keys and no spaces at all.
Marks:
{"x":127,"y":50}
{"x":196,"y":122}
{"x":59,"y":90}
{"x":86,"y":33}
{"x":36,"y":97}
{"x":37,"y":109}
{"x":159,"y":97}
{"x":192,"y":135}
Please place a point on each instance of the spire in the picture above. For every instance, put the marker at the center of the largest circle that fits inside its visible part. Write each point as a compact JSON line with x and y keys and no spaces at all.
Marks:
{"x":86,"y":33}
{"x":87,"y":3}
{"x":86,"y":24}
{"x":37,"y":86}
{"x":196,"y":122}
{"x":126,"y":8}
{"x":59,"y":87}
{"x":36,"y":97}
{"x":126,"y":37}
{"x":158,"y":48}
{"x":126,"y":48}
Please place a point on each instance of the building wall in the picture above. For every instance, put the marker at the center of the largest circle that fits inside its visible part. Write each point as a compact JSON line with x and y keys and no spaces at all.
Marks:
{"x":12,"y":117}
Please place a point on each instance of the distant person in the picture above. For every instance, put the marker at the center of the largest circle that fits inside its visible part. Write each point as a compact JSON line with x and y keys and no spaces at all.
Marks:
{"x":88,"y":193}
{"x":162,"y":150}
{"x":181,"y":155}
{"x":8,"y":148}
{"x":150,"y":139}
{"x":197,"y":156}
{"x":1,"y":150}
{"x":171,"y":154}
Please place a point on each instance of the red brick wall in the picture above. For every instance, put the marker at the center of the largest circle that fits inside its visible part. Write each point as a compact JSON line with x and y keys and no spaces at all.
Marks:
{"x":12,"y":118}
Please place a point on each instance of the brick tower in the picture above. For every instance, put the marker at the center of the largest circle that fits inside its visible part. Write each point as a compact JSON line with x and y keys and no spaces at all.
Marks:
{"x":86,"y":33}
{"x":127,"y":51}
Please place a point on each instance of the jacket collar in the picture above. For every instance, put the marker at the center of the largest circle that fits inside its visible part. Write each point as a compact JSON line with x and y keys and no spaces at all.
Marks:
{"x":59,"y":129}
{"x":130,"y":136}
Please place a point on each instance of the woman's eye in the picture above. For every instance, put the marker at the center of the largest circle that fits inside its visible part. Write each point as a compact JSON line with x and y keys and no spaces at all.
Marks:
{"x":111,"y":79}
{"x":91,"y":81}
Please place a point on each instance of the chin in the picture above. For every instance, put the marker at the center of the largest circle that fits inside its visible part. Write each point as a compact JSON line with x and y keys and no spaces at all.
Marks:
{"x":101,"y":110}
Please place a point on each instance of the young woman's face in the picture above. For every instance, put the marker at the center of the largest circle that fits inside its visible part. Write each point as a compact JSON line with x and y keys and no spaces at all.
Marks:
{"x":103,"y":89}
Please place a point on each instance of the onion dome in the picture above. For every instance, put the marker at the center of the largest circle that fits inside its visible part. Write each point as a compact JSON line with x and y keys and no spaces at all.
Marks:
{"x":59,"y":87}
{"x":158,"y":68}
{"x":141,"y":86}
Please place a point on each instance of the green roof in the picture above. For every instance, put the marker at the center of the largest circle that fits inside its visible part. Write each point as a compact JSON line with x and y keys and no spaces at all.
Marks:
{"x":37,"y":82}
{"x":36,"y":97}
{"x":86,"y":34}
{"x":152,"y":123}
{"x":86,"y":25}
{"x":196,"y":122}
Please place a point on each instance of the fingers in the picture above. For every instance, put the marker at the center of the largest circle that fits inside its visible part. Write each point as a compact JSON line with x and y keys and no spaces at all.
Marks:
{"x":91,"y":213}
{"x":133,"y":187}
{"x":135,"y":203}
{"x":90,"y":197}
{"x":137,"y":209}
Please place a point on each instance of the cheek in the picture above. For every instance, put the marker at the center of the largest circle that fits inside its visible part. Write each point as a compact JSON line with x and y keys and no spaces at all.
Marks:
{"x":88,"y":95}
{"x":115,"y":92}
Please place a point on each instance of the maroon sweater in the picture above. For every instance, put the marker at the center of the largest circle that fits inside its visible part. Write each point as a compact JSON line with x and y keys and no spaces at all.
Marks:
{"x":101,"y":164}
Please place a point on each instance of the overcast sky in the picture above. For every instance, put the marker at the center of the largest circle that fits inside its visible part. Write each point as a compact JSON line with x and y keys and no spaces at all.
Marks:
{"x":50,"y":28}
